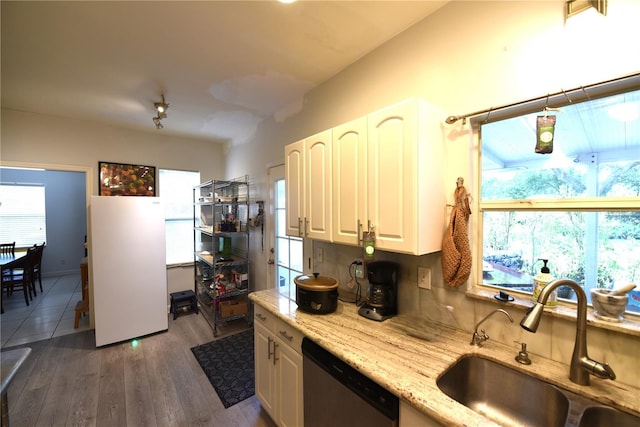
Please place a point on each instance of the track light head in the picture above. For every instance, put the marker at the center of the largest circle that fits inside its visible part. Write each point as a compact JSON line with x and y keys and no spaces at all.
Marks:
{"x":161,"y":107}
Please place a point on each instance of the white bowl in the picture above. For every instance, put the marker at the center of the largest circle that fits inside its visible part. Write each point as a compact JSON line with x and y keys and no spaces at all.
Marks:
{"x":608,"y":307}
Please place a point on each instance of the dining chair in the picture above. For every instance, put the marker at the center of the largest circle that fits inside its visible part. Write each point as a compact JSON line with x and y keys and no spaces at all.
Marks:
{"x":22,"y":279}
{"x":37,"y":266}
{"x":8,"y":248}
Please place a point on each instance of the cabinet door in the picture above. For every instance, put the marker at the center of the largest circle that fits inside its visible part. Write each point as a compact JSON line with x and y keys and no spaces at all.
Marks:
{"x":349,"y":153}
{"x":317,"y":160}
{"x":411,"y":417}
{"x":264,"y":368}
{"x":392,"y":176}
{"x":294,"y":188}
{"x":290,"y":393}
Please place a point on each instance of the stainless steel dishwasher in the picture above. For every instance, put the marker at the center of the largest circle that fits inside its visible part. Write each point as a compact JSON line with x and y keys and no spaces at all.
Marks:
{"x":337,"y":395}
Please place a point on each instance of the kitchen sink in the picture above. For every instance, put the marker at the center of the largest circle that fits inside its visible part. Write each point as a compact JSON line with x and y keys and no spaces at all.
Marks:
{"x":503,"y":394}
{"x":604,"y":416}
{"x":513,"y":398}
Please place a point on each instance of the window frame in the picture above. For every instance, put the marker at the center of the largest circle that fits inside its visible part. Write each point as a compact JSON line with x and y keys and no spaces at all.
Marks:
{"x":476,"y":288}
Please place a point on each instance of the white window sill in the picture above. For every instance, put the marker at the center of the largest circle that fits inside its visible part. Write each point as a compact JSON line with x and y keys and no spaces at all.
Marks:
{"x":630,"y":325}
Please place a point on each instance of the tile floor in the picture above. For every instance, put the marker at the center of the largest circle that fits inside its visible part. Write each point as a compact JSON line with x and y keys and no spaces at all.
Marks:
{"x":50,"y":313}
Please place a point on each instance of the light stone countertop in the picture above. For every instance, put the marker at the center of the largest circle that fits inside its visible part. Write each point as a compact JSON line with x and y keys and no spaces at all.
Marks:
{"x":406,"y":355}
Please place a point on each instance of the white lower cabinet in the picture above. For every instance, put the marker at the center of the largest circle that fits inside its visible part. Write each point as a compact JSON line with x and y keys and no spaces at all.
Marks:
{"x":278,"y":369}
{"x":411,"y":417}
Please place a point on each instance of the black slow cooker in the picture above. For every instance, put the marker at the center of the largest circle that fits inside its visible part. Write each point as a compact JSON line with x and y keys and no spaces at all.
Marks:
{"x":316,"y":294}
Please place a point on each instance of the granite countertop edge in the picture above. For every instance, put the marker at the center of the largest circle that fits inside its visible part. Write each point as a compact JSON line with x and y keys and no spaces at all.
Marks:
{"x":406,"y":354}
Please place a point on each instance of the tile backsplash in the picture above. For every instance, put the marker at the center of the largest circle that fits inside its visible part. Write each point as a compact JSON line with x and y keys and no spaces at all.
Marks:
{"x":450,"y":306}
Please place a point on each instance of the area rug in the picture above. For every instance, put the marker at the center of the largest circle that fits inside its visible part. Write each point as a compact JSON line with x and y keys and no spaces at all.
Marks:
{"x":228,"y":363}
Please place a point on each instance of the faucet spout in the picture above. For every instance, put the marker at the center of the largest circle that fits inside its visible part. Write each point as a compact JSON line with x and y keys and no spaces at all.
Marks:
{"x":581,"y":364}
{"x":479,"y":338}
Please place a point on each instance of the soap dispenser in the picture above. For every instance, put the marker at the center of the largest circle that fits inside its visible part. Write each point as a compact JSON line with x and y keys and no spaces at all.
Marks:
{"x":540,"y":281}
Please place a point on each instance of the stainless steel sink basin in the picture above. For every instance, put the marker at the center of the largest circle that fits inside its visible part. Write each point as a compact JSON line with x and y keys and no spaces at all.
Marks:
{"x":503,"y":394}
{"x":603,"y":416}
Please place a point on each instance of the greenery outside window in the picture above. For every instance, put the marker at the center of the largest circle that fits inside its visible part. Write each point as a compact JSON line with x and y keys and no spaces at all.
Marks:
{"x":578,"y":207}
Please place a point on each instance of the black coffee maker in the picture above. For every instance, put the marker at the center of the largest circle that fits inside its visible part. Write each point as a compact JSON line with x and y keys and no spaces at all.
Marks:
{"x":383,"y":291}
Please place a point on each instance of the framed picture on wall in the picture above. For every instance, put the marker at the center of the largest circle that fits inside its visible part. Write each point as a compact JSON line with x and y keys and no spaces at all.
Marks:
{"x":122,"y":179}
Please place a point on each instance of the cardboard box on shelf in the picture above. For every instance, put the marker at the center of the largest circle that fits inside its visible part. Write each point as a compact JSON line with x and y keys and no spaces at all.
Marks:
{"x":233,"y":307}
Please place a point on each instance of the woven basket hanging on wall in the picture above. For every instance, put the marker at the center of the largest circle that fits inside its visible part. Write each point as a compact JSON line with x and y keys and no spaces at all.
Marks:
{"x":456,"y":251}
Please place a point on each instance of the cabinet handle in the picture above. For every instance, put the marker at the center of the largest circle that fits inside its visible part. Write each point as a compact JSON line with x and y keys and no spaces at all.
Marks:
{"x":306,"y":227}
{"x":275,"y":345}
{"x":269,"y":348}
{"x":300,"y":231}
{"x":261,"y":316}
{"x":360,"y":235}
{"x":285,"y":335}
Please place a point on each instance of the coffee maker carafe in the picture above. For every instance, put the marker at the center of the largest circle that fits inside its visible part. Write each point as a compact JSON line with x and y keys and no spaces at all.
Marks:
{"x":382,"y":292}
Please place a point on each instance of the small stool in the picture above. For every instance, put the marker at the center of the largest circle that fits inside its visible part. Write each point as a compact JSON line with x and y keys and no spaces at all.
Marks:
{"x":183,"y":299}
{"x":81,"y":308}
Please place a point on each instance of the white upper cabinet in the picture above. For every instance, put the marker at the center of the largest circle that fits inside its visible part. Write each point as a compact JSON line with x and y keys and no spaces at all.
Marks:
{"x":384,"y":174}
{"x":349,"y":181}
{"x":308,"y":187}
{"x":318,"y":194}
{"x":406,"y":201}
{"x":294,"y":188}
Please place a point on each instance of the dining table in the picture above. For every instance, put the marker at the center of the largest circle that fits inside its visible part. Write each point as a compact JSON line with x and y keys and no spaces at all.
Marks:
{"x":12,"y":260}
{"x":9,"y":261}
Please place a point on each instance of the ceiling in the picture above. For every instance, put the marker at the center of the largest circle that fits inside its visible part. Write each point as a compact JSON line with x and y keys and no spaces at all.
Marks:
{"x":223,"y":66}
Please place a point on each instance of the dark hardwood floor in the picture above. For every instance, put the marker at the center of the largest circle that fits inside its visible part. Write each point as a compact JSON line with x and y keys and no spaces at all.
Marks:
{"x":67,"y":381}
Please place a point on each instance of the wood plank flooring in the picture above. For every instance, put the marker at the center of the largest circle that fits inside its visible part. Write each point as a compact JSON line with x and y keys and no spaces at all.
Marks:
{"x":66,"y":381}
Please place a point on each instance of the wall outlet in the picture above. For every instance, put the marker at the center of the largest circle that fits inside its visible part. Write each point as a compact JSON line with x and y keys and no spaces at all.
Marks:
{"x":359,"y":268}
{"x":319,"y":254}
{"x":424,"y":277}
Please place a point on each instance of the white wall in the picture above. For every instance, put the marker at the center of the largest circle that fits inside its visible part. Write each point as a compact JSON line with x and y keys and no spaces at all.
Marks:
{"x":42,"y":139}
{"x":468,"y":56}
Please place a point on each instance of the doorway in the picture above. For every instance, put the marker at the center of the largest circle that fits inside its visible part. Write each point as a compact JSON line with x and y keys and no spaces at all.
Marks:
{"x":286,"y":254}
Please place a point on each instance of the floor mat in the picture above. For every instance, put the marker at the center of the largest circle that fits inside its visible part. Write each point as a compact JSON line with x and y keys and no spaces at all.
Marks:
{"x":228,"y":363}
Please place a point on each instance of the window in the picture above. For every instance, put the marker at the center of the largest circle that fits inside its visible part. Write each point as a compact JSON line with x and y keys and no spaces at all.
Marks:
{"x":23,"y":216}
{"x":578,"y":207}
{"x":289,"y":250}
{"x":176,"y":190}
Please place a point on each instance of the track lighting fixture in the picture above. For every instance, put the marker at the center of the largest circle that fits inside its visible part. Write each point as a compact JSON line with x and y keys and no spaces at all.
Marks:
{"x":161,"y":108}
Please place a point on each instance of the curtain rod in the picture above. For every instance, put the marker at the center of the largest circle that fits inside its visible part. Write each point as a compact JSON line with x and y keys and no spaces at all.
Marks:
{"x":452,"y":119}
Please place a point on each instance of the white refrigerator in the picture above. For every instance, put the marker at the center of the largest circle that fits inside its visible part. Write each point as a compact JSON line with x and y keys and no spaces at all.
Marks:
{"x":127,"y":253}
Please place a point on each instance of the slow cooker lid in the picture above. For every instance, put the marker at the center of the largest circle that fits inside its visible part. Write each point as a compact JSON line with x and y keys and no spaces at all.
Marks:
{"x":316,"y":282}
